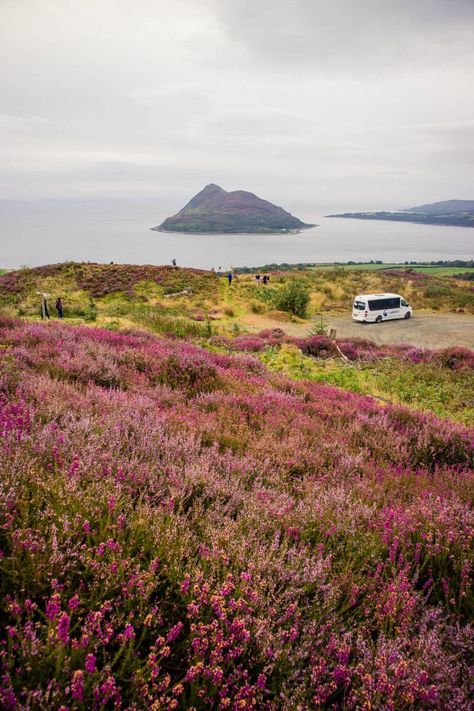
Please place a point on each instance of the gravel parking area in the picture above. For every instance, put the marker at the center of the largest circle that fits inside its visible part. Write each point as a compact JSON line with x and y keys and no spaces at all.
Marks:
{"x":427,"y":330}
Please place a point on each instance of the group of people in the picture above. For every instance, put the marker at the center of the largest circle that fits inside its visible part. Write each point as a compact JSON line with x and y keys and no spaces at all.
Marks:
{"x":258,"y":277}
{"x":231,"y":276}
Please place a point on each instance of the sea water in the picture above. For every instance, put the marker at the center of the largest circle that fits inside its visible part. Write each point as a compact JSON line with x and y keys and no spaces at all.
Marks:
{"x":119,"y":231}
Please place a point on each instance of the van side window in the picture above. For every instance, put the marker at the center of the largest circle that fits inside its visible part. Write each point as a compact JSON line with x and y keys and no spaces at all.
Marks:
{"x":379,"y":304}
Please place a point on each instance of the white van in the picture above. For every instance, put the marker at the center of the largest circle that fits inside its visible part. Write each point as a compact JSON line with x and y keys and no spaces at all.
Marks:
{"x":380,"y":307}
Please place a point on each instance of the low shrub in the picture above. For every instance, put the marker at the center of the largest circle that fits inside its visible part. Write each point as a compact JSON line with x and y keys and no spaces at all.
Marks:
{"x":190,"y":373}
{"x":317,"y":346}
{"x":257,"y":307}
{"x":293,"y":297}
{"x":151,"y":318}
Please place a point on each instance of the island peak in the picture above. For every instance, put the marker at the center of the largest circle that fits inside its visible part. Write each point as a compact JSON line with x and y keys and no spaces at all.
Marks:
{"x":214,"y":209}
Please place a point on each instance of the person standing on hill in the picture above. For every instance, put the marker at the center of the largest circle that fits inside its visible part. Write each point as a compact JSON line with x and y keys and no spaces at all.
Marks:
{"x":59,"y":307}
{"x":230,"y":277}
{"x":173,"y":262}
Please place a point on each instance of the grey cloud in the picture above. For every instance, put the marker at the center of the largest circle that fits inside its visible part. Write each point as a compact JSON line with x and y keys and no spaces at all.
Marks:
{"x":21,"y":124}
{"x":349,"y":36}
{"x":344,"y":101}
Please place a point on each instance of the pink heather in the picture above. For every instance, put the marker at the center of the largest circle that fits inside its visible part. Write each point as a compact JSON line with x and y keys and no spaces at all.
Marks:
{"x":228,"y":535}
{"x":63,"y":628}
{"x":129,"y":632}
{"x":77,"y":686}
{"x":90,"y":663}
{"x":174,"y":632}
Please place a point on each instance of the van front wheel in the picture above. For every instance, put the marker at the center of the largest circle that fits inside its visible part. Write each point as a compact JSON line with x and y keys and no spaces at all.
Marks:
{"x":408,"y":314}
{"x":378,"y":319}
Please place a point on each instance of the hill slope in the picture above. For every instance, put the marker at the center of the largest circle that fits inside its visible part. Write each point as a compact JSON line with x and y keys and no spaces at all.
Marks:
{"x":216,"y":210}
{"x":444,"y":207}
{"x":185,"y":529}
{"x":458,"y":213}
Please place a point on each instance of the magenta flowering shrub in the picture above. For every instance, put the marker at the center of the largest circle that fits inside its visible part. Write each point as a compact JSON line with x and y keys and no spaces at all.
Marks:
{"x":355,"y":349}
{"x":409,"y":275}
{"x":11,"y":283}
{"x":454,"y":358}
{"x":317,"y":346}
{"x":249,"y":343}
{"x":183,"y":529}
{"x":252,"y":342}
{"x":101,"y":279}
{"x":366,"y":351}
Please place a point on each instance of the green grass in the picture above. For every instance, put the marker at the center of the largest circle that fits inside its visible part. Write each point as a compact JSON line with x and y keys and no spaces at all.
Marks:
{"x":446,"y":270}
{"x":351,"y":267}
{"x":160,"y":323}
{"x":115,"y":296}
{"x":428,"y":269}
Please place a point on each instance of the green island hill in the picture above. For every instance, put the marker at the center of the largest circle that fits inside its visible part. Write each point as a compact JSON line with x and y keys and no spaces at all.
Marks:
{"x":216,"y":210}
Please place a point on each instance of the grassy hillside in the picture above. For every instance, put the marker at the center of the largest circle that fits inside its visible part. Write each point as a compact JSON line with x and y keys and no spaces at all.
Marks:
{"x":186,"y":529}
{"x":129,"y":294}
{"x":149,"y":297}
{"x":218,"y":518}
{"x":106,"y":292}
{"x":428,"y":269}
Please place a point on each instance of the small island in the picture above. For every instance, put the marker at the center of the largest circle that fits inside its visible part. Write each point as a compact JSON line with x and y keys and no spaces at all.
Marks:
{"x":216,"y":210}
{"x":456,"y":213}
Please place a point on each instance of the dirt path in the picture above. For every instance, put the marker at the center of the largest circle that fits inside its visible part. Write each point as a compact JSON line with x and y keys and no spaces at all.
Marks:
{"x":424,"y":329}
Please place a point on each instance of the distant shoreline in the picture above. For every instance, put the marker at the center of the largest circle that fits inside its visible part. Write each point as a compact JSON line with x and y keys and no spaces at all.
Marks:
{"x":222,"y":232}
{"x":416,"y":219}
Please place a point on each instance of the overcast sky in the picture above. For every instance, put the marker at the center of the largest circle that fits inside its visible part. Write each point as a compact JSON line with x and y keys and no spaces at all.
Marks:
{"x":355,"y":103}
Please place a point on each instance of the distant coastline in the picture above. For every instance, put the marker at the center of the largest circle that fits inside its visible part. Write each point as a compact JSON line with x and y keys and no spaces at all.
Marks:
{"x":253,"y":232}
{"x":441,"y":220}
{"x":450,"y":213}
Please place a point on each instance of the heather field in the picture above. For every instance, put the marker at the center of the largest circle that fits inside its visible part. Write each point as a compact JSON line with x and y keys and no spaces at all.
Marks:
{"x":185,"y":528}
{"x":439,"y":381}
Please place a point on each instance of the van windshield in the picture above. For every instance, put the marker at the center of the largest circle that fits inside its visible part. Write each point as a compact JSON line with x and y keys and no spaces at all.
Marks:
{"x":359,"y":305}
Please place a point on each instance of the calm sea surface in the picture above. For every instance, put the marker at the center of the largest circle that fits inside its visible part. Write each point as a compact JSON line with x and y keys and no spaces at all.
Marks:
{"x":33,"y":234}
